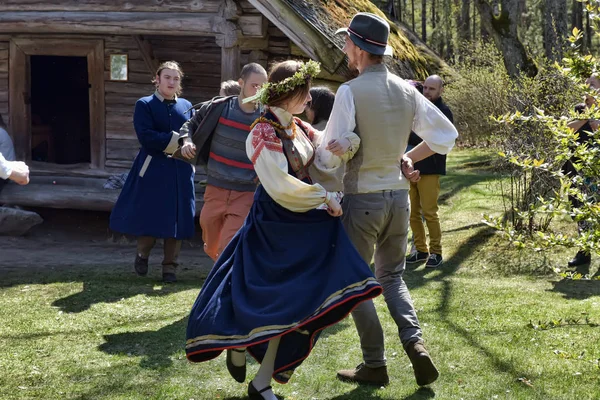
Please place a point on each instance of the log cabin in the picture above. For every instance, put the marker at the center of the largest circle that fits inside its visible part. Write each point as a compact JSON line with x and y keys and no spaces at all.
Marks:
{"x":71,"y":71}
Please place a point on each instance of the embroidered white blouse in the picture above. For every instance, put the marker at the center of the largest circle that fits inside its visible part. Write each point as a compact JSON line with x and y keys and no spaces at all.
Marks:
{"x":265,"y":150}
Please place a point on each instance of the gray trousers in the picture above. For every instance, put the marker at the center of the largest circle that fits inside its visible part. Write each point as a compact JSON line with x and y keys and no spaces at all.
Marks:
{"x":377,"y":224}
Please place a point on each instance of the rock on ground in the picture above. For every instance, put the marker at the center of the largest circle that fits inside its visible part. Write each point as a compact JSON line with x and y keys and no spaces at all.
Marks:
{"x":16,"y":222}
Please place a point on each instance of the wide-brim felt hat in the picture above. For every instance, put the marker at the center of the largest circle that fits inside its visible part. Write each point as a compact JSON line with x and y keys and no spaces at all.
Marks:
{"x":369,"y":32}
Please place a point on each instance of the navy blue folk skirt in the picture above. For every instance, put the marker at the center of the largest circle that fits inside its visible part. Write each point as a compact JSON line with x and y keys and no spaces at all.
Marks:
{"x":283,"y":274}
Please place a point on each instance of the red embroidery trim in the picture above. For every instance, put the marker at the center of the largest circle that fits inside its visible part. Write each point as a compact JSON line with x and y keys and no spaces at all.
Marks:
{"x":263,"y":135}
{"x":310,"y":131}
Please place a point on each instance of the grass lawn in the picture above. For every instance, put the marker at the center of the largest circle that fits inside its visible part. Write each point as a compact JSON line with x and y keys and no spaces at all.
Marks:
{"x":68,"y":332}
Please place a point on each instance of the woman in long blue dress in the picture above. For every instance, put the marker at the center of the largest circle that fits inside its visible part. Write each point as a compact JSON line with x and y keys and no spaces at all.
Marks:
{"x":291,"y":270}
{"x":158,"y":199}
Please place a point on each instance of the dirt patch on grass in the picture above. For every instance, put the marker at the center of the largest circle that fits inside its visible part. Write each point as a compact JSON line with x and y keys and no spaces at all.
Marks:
{"x":82,"y":239}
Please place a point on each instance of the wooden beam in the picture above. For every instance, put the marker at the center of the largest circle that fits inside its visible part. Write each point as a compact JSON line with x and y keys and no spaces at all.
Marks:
{"x":41,"y":192}
{"x":95,"y":59}
{"x":147,"y":53}
{"x":301,"y":32}
{"x":59,"y":196}
{"x":187,"y":6}
{"x":253,"y":43}
{"x":230,"y":63}
{"x":20,"y":110}
{"x":123,"y":23}
{"x":72,"y":170}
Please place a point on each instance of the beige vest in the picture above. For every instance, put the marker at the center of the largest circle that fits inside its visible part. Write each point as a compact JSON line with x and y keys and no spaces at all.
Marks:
{"x":385,"y":109}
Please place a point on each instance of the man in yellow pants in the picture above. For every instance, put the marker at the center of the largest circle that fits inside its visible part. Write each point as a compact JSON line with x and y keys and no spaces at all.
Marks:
{"x":424,"y":193}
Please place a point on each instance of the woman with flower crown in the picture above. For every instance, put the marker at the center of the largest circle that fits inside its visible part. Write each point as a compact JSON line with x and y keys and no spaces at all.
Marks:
{"x":291,"y":270}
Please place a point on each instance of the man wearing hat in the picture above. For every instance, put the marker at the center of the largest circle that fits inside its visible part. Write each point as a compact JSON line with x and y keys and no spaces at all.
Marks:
{"x":382,"y":109}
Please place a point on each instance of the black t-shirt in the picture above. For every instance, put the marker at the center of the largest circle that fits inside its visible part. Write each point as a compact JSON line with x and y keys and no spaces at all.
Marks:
{"x":435,"y":164}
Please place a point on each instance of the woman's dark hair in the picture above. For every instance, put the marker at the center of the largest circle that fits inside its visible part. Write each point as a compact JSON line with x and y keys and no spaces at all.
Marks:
{"x":281,"y":71}
{"x":2,"y":124}
{"x":321,"y":103}
{"x":417,"y":85}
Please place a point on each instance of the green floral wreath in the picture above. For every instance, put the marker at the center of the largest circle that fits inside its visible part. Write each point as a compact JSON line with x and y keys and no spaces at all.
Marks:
{"x":267,"y":91}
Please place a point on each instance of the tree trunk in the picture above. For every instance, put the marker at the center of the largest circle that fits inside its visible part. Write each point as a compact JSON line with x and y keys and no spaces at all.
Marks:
{"x":433,"y":15}
{"x":464,"y":29}
{"x":503,"y":30}
{"x":577,"y":16}
{"x":588,"y":32}
{"x":474,"y":22}
{"x":424,"y":21}
{"x":412,"y":10}
{"x":554,"y":28}
{"x":448,"y":29}
{"x":521,"y":11}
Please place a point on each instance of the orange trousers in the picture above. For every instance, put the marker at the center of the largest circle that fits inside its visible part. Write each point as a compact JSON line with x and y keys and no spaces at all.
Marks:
{"x":222,"y":215}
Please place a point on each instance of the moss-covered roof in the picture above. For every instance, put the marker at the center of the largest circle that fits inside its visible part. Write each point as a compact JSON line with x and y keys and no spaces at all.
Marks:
{"x":412,"y":58}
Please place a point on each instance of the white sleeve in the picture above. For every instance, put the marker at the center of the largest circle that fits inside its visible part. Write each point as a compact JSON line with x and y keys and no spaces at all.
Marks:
{"x":265,"y":150}
{"x":5,"y":168}
{"x":341,"y":125}
{"x":431,"y":125}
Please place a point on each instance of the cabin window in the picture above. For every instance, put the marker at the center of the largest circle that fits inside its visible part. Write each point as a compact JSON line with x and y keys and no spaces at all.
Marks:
{"x":118,"y":67}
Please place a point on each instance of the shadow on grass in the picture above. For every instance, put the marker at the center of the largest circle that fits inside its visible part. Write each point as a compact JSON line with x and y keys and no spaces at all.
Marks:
{"x":372,"y":393}
{"x":579,"y":289}
{"x":106,"y":285}
{"x":453,"y":183}
{"x":246,"y":397}
{"x":419,"y":277}
{"x":155,"y":347}
{"x":116,"y":381}
{"x":110,"y":290}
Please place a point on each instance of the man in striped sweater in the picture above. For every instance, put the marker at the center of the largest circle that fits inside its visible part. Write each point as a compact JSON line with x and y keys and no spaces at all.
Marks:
{"x":231,"y":178}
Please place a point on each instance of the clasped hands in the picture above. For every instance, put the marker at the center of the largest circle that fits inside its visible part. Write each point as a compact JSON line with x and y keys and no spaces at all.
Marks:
{"x":408,"y":169}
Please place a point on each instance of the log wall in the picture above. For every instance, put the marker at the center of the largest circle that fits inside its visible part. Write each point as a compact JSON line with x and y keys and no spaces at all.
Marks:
{"x":4,"y":80}
{"x":200,"y":59}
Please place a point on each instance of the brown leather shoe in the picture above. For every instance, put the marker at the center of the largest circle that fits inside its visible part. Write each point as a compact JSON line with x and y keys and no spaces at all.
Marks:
{"x":425,"y":372}
{"x":363,"y":374}
{"x":168,"y":273}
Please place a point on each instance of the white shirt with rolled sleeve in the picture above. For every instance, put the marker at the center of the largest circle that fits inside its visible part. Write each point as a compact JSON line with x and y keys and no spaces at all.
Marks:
{"x":5,"y":168}
{"x":429,"y":123}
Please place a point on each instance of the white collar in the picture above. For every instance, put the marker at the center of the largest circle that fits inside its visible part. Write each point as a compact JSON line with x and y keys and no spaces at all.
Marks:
{"x":284,"y":116}
{"x":161,"y":97}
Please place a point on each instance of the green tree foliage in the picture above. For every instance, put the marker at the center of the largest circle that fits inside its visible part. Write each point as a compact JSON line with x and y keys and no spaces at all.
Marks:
{"x":524,"y":228}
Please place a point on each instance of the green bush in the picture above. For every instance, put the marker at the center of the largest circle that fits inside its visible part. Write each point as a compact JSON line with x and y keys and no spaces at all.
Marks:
{"x":481,"y":90}
{"x":556,"y":143}
{"x":484,"y":91}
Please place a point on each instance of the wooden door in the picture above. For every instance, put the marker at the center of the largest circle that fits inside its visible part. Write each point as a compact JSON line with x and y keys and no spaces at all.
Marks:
{"x":20,"y":89}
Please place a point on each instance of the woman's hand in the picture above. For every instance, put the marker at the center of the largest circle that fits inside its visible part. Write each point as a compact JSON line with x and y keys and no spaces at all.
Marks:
{"x":334,"y":208}
{"x":339,"y":147}
{"x":188,"y":150}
